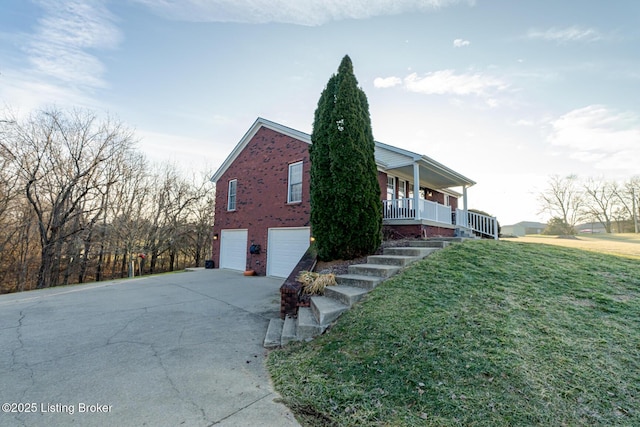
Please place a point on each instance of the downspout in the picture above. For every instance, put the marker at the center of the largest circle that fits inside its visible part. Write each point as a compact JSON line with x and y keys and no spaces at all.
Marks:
{"x":635,"y":211}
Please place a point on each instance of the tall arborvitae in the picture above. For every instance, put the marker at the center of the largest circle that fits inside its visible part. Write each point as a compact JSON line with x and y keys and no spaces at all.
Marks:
{"x":346,"y":212}
{"x":321,"y":180}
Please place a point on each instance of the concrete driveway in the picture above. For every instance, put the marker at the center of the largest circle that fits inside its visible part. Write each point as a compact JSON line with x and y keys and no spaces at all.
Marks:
{"x":177,"y":349}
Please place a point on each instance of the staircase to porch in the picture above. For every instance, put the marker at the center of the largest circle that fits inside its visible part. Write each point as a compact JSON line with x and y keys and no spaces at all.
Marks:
{"x":351,"y":288}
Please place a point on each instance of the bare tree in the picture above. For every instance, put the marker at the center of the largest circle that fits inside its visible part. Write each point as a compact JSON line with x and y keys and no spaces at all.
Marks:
{"x":601,"y":200}
{"x":628,"y":196}
{"x":563,"y":199}
{"x":78,"y":203}
{"x":11,"y":222}
{"x":8,"y":195}
{"x":172,"y":200}
{"x":60,"y":158}
{"x":200,"y":225}
{"x":126,"y":223}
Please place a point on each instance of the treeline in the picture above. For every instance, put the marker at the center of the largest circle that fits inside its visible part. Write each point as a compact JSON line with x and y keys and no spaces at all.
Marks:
{"x":79,"y":203}
{"x":572,"y":200}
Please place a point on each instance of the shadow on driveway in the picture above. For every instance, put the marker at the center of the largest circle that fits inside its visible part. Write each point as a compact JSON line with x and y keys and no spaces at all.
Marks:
{"x":168,"y":350}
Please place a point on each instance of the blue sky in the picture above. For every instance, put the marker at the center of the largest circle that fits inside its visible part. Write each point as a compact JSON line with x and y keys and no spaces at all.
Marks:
{"x":505,"y":92}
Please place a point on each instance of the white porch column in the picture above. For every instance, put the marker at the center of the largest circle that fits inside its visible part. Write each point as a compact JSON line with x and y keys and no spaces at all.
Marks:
{"x":416,"y":189}
{"x":464,"y":199}
{"x":465,"y":205}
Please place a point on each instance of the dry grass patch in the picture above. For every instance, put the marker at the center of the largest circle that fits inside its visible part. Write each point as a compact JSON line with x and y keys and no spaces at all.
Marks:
{"x":624,"y":244}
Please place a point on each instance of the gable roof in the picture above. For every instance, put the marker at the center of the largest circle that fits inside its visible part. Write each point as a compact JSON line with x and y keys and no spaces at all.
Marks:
{"x":255,"y":127}
{"x":401,"y":160}
{"x":388,"y":157}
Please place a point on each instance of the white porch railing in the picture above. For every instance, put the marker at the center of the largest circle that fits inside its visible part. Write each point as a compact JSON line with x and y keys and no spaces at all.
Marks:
{"x":486,"y":226}
{"x":482,"y":224}
{"x":404,"y":209}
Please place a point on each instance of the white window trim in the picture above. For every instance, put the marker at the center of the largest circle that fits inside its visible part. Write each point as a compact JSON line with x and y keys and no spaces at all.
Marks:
{"x":289,"y":183}
{"x":393,"y":182}
{"x":402,"y":189}
{"x":235,"y":195}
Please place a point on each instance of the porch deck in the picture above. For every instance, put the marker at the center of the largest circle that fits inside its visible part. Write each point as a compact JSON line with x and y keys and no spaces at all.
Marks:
{"x":403,"y":212}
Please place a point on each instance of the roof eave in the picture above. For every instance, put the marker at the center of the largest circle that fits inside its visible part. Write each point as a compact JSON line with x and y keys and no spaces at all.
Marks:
{"x":260,"y":122}
{"x":464,"y":181}
{"x":427,"y":162}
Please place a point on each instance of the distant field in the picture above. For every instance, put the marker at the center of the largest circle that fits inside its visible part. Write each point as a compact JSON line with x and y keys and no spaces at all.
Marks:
{"x":624,"y":244}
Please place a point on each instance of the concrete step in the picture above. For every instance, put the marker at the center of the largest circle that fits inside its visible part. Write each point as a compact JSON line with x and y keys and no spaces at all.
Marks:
{"x":351,"y":288}
{"x":274,"y":333}
{"x":307,"y":326}
{"x":358,"y":281}
{"x":347,"y":295}
{"x":428,"y":243}
{"x":375,"y":270}
{"x":288,"y":331}
{"x":326,"y":310}
{"x":408,"y":251}
{"x":447,"y":239}
{"x":467,"y":235}
{"x":397,"y":260}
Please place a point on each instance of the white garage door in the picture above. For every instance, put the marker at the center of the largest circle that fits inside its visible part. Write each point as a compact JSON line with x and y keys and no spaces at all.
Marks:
{"x":233,"y":249}
{"x":285,"y":248}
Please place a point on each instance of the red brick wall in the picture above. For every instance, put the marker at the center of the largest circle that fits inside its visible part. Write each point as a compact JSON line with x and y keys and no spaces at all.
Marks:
{"x":382,"y":181}
{"x":453,"y":202}
{"x":437,"y":196}
{"x":262,"y":171}
{"x":415,"y":231}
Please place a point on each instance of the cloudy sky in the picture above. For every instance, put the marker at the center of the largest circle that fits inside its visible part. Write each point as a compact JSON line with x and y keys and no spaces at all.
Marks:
{"x":506,"y":93}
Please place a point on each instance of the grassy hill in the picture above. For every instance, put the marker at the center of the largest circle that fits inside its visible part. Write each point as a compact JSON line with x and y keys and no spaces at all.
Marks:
{"x":484,"y":333}
{"x":624,"y":244}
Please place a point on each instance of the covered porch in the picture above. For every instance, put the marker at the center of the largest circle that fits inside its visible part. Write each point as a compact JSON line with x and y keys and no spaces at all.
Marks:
{"x":421,"y":191}
{"x":401,"y":212}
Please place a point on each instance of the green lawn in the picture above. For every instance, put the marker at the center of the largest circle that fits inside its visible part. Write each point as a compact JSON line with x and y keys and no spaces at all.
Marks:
{"x":484,"y":333}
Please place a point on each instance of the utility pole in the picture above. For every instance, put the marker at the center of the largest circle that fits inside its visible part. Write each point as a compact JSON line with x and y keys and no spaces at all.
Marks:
{"x":635,"y":210}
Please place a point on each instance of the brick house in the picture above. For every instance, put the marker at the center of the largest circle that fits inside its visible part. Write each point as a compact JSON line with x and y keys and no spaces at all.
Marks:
{"x":262,"y":206}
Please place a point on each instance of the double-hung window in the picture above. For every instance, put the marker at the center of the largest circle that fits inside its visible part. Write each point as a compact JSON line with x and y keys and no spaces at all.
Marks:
{"x":402,"y":189}
{"x":295,"y":183}
{"x":231,"y":196}
{"x":391,"y":187}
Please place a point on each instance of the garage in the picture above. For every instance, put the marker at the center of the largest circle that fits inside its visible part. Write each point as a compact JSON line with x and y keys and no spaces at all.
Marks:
{"x":233,"y":249}
{"x":285,"y":247}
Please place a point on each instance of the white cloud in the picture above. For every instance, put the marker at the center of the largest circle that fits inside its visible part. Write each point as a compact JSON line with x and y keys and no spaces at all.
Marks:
{"x":525,"y":123}
{"x":493,"y":103}
{"x":448,"y":82}
{"x":387,"y":82}
{"x":564,"y":35}
{"x":300,"y":12}
{"x":69,"y":28}
{"x":28,"y":91}
{"x":461,"y":43}
{"x":183,"y":151}
{"x":598,"y":135}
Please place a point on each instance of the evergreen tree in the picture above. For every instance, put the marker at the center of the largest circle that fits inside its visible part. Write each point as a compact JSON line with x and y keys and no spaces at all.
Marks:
{"x":321,"y":180}
{"x":346,"y":212}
